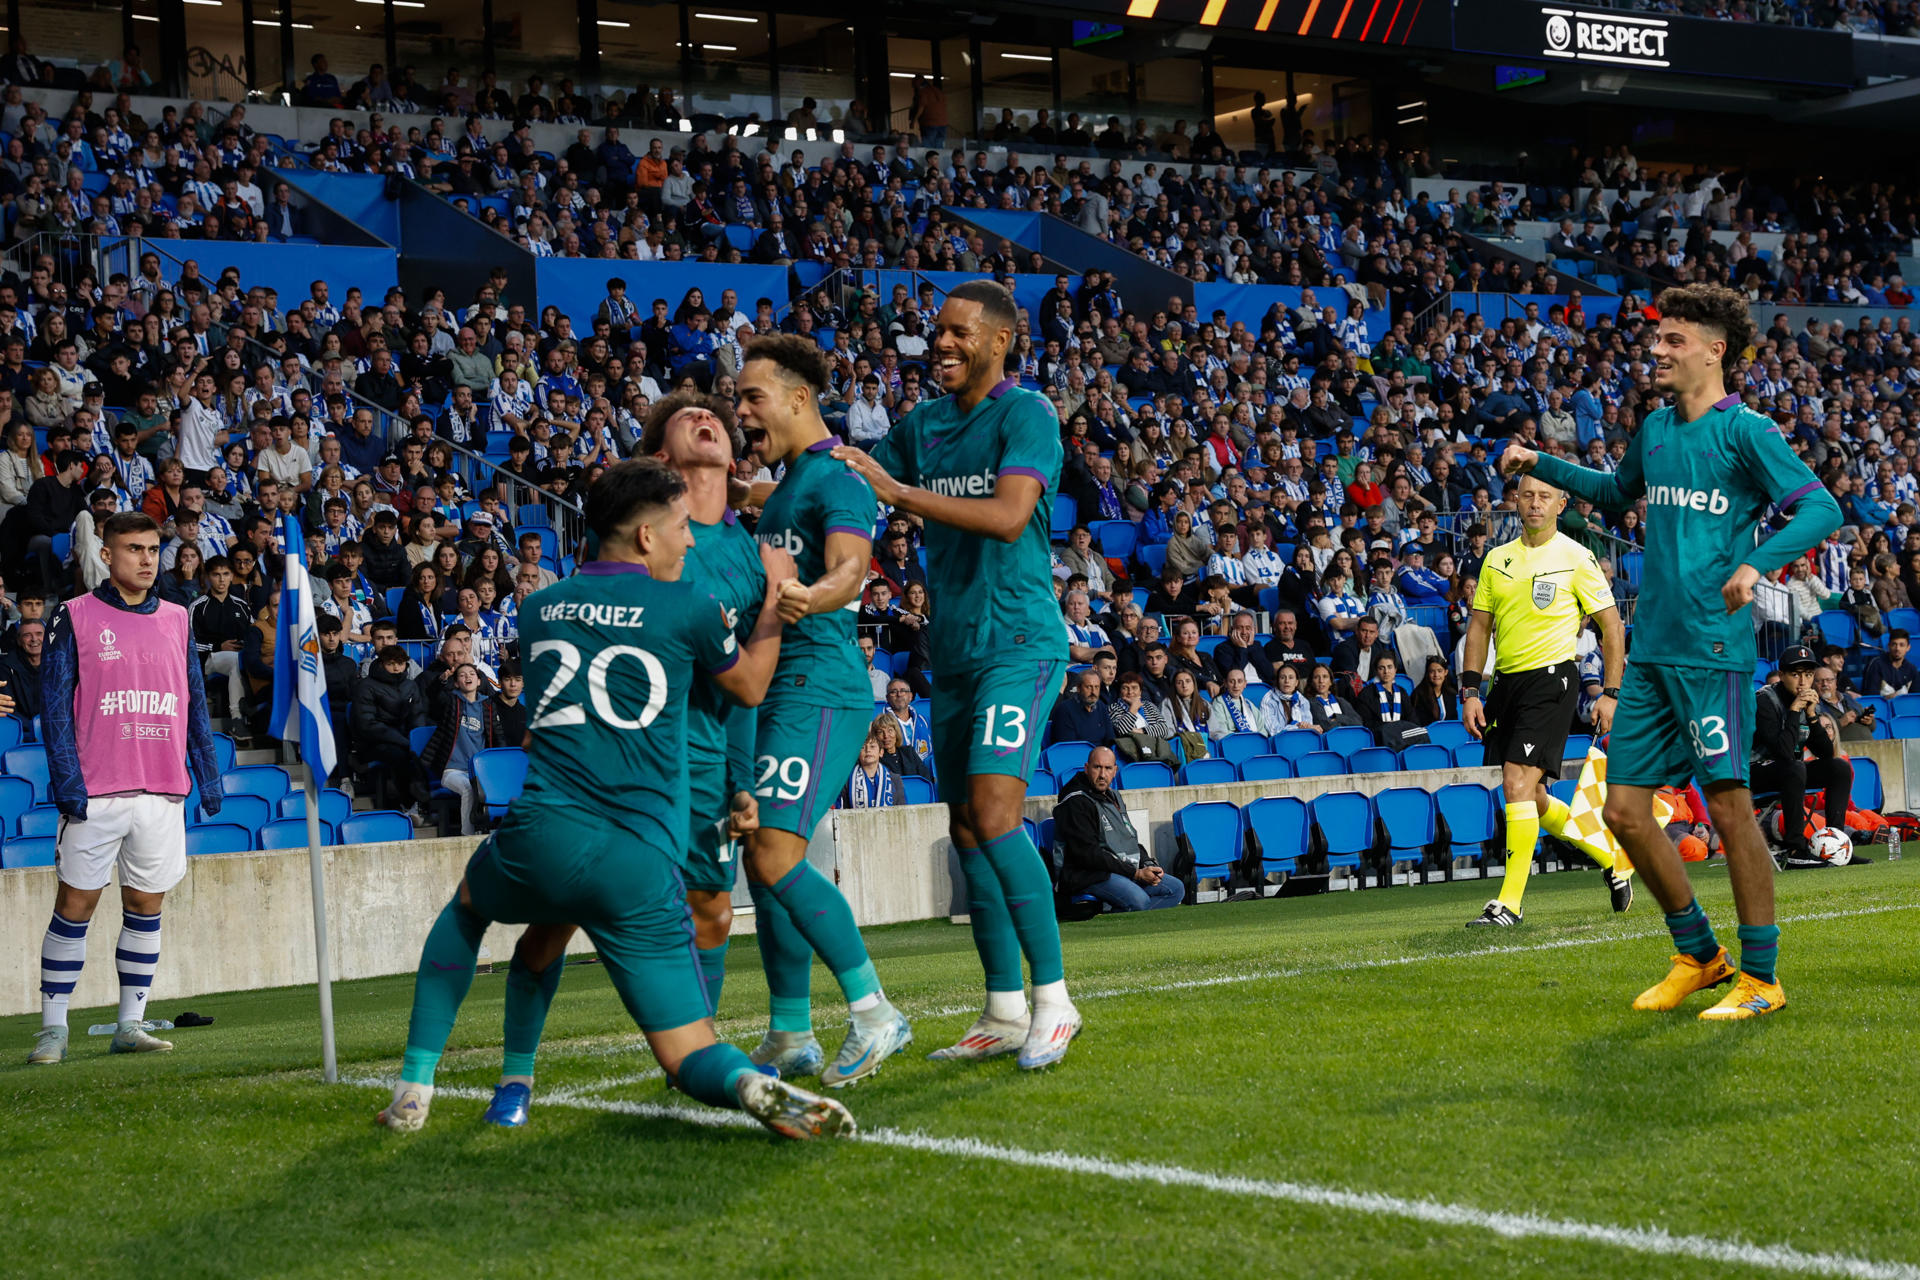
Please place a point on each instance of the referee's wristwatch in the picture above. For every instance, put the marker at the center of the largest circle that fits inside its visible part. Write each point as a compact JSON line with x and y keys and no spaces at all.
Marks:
{"x":1613,"y":693}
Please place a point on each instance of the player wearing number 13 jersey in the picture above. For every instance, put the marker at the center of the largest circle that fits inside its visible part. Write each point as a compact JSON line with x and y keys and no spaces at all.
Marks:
{"x":611,"y":656}
{"x":813,"y":721}
{"x":980,"y":465}
{"x":1708,"y":469}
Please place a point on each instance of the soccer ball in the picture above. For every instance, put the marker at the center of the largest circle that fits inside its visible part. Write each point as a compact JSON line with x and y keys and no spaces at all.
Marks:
{"x":1833,"y":846}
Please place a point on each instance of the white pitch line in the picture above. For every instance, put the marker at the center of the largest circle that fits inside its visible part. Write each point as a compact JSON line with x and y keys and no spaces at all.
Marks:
{"x":1653,"y":1241}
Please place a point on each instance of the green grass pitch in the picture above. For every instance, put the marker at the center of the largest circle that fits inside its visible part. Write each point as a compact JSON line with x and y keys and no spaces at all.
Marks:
{"x":1344,"y":1086}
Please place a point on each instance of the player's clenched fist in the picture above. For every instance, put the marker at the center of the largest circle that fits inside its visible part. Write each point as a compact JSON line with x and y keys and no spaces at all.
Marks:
{"x":1515,"y":461}
{"x":1738,"y":591}
{"x":744,"y":817}
{"x":796,"y":600}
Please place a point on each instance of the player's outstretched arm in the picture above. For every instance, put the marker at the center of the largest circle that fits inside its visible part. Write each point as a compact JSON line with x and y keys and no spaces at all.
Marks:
{"x":1615,"y":492}
{"x":1002,"y":517}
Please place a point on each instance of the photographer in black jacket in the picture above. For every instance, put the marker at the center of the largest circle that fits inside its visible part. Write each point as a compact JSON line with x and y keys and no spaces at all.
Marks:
{"x":1785,"y":727}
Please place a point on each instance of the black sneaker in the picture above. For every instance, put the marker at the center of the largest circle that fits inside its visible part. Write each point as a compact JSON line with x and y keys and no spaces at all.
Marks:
{"x":1495,"y":914}
{"x":1619,"y":888}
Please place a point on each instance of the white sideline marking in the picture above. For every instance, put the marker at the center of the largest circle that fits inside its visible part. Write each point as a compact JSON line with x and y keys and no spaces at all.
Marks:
{"x":1513,"y":1226}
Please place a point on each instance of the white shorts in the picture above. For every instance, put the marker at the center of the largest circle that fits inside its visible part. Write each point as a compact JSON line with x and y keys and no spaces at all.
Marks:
{"x":145,"y":835}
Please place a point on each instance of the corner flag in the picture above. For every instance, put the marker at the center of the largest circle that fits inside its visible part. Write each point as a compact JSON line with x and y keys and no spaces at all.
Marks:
{"x":299,"y":686}
{"x":300,"y":713}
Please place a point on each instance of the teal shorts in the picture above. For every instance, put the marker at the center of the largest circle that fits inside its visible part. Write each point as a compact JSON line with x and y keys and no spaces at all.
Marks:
{"x":713,"y":858}
{"x":989,"y":718}
{"x":802,"y":758}
{"x":548,"y":866}
{"x":1676,"y":723}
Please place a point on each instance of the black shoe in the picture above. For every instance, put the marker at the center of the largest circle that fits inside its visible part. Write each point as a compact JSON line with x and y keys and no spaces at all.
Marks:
{"x":1619,"y":888}
{"x":1496,"y":914}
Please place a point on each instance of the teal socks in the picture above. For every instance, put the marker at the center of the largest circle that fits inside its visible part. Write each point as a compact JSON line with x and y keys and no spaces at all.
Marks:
{"x":529,"y":996}
{"x":1023,"y":878}
{"x":446,"y":972}
{"x":713,"y":972}
{"x":821,"y":916}
{"x":1692,"y":935}
{"x":992,"y":922}
{"x":786,"y":959}
{"x":1759,"y":950}
{"x":708,"y":1075}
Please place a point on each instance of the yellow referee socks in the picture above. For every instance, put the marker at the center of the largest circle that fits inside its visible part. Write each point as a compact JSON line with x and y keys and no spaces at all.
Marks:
{"x":1554,"y":823}
{"x":1523,"y":831}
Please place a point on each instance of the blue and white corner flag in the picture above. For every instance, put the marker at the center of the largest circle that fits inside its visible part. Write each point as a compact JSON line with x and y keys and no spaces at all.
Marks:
{"x":299,"y":685}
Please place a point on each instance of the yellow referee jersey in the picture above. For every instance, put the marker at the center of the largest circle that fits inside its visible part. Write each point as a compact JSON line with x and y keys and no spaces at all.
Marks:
{"x":1536,"y":596}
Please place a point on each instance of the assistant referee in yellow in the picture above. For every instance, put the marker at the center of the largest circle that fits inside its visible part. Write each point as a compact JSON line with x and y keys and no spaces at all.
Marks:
{"x":1532,"y":594}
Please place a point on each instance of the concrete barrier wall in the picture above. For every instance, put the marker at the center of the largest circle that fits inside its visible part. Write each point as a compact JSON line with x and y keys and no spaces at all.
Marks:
{"x":245,"y":921}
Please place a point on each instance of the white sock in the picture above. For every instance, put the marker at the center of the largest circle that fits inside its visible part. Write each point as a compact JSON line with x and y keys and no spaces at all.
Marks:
{"x":138,"y":955}
{"x":525,"y":1080}
{"x":866,"y":1002}
{"x":1008,"y":1006}
{"x":62,"y":952}
{"x":1051,"y":997}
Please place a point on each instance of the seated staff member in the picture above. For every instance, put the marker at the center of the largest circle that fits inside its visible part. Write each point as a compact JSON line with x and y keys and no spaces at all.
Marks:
{"x":1786,"y":725}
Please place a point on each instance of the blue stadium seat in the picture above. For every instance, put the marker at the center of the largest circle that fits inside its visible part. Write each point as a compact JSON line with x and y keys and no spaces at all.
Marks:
{"x":1345,"y":819}
{"x":1265,"y":768}
{"x":417,"y":739}
{"x":1837,"y":627}
{"x":12,"y":732}
{"x":1469,"y":755}
{"x":1115,"y":537}
{"x":1347,"y":739}
{"x":1448,"y":734}
{"x":1578,"y":745}
{"x":1562,"y":790}
{"x":1064,"y":759}
{"x":16,"y":797}
{"x":1631,"y":563}
{"x":1137,"y":774}
{"x":1867,"y":792}
{"x":1065,"y":516}
{"x":1904,"y":704}
{"x":291,"y":833}
{"x":1282,"y":825}
{"x":1236,"y":747}
{"x":1207,"y":644}
{"x":501,"y":774}
{"x":27,"y":851}
{"x":30,"y":763}
{"x":218,"y":837}
{"x":1294,"y":743}
{"x":381,"y":826}
{"x":1907,"y":620}
{"x":393,"y":597}
{"x":1207,"y":772}
{"x":1211,"y":829}
{"x":1425,"y":755}
{"x":268,"y":781}
{"x":1319,"y":764}
{"x":41,"y":820}
{"x":1469,"y":809}
{"x":335,"y":806}
{"x":1906,"y":726}
{"x":1153,"y":555}
{"x":223,"y":753}
{"x":241,"y":809}
{"x":1373,"y":760}
{"x":1042,"y":784}
{"x":916,"y":791}
{"x":1407,"y":814}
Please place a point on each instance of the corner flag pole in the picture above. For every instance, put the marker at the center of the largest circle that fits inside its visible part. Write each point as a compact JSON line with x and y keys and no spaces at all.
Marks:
{"x":300,"y":716}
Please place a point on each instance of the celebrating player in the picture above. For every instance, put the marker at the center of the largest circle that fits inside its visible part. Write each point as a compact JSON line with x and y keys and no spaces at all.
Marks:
{"x":1532,"y":593}
{"x":695,"y":436}
{"x":1708,"y":469}
{"x":980,"y":465}
{"x":125,"y":720}
{"x":811,"y":726}
{"x":611,"y":656}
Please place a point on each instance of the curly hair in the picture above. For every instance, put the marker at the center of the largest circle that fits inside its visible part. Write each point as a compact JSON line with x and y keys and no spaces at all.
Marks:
{"x":801,"y":359}
{"x":1715,"y":307}
{"x":653,"y":436}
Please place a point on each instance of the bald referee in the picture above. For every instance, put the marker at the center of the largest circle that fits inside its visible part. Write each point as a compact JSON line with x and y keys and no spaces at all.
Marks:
{"x":1532,"y":593}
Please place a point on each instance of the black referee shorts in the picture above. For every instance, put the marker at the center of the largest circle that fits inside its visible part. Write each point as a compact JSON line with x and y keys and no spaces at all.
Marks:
{"x":1529,"y":715}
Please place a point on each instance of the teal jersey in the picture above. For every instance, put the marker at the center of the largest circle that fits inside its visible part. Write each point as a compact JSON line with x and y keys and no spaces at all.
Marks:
{"x":820,"y":665}
{"x":724,"y":562}
{"x":1707,"y":483}
{"x":611,"y":655}
{"x":989,"y":597}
